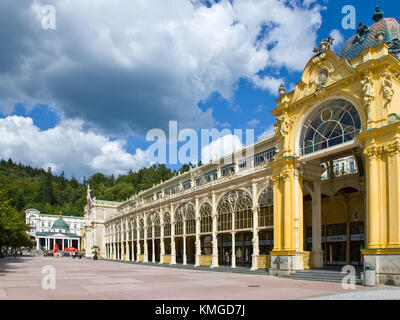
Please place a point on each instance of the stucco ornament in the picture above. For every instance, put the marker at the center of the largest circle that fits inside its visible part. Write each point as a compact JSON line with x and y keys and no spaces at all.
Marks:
{"x":368,"y":93}
{"x":322,"y":77}
{"x":268,"y":183}
{"x":265,"y":163}
{"x":388,"y":91}
{"x":284,"y":124}
{"x":393,"y":149}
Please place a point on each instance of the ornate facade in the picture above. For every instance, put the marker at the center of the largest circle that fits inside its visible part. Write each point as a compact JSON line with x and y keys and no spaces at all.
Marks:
{"x":323,"y":191}
{"x":48,"y":229}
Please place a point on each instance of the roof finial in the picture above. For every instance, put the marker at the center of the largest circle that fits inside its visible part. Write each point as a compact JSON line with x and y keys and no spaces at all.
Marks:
{"x":325,"y":44}
{"x":282,"y":90}
{"x":378,"y":15}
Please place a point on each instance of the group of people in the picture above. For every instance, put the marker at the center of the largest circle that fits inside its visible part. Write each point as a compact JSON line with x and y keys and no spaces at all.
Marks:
{"x":65,"y":254}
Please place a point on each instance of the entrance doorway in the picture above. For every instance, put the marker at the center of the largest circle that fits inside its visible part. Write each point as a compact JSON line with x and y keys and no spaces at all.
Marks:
{"x":157,"y":249}
{"x":179,"y":249}
{"x":190,"y":249}
{"x":224,"y":241}
{"x":243,"y":248}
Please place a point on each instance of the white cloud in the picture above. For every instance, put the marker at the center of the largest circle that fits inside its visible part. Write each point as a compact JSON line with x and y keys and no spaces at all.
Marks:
{"x":339,"y":39}
{"x":253,"y":123}
{"x":220,"y":147}
{"x":267,"y":133}
{"x":66,"y":147}
{"x":128,"y":66}
{"x":267,"y":83}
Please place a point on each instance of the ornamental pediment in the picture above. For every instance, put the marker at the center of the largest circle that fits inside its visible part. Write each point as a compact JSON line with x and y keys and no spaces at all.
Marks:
{"x":322,"y":71}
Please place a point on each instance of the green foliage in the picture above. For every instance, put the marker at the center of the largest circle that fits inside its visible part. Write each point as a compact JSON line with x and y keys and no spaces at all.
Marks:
{"x":42,"y":190}
{"x":52,"y":194}
{"x":12,"y":225}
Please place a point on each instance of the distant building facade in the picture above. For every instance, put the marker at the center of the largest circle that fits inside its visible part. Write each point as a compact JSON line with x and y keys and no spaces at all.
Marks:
{"x":47,"y":230}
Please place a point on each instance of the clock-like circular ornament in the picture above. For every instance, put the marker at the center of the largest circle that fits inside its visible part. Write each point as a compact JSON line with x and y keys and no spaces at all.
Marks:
{"x":323,"y":76}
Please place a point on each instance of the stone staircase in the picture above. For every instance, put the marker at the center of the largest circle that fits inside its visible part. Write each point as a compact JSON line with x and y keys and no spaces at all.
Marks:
{"x":323,"y":275}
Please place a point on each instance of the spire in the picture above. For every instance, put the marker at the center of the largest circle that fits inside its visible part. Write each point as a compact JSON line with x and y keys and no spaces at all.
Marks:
{"x":378,"y":15}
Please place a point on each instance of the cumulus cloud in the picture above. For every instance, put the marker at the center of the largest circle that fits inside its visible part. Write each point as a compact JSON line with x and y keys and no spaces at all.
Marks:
{"x":66,"y":147}
{"x":222,"y":146}
{"x":267,"y":132}
{"x":267,"y":83}
{"x":339,"y":39}
{"x":124,"y":67}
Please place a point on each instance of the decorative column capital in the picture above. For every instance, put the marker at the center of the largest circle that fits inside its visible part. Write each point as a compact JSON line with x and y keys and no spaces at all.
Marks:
{"x":373,"y":153}
{"x":392,"y":149}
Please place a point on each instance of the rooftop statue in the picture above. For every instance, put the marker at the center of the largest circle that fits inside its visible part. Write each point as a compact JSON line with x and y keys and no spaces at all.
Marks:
{"x":378,"y":15}
{"x":361,"y":33}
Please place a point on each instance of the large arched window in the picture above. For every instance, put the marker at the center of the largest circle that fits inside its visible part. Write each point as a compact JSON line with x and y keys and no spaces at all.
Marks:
{"x":334,"y":122}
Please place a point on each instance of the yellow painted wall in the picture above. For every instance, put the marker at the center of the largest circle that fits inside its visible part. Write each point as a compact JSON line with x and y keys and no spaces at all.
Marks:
{"x":333,"y":210}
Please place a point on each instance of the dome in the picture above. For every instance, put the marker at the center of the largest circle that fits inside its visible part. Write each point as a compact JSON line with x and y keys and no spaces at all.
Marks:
{"x":60,"y":224}
{"x":367,"y":37}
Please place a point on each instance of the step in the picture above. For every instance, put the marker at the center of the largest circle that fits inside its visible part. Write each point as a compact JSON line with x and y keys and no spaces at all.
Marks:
{"x":321,"y":275}
{"x":358,"y":281}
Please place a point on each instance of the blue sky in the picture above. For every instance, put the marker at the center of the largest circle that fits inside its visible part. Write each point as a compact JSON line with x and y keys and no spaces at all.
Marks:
{"x":84,"y":95}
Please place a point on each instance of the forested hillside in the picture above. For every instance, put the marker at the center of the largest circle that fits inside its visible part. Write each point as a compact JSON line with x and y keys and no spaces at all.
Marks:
{"x":29,"y":187}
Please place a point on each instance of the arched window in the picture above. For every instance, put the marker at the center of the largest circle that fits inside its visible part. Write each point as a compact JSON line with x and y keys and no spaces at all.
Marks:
{"x":141,"y":229}
{"x":190,"y":219}
{"x":205,"y":218}
{"x":185,"y":212}
{"x":167,"y":225}
{"x":156,"y":221}
{"x":266,"y":208}
{"x":149,"y":228}
{"x":118,"y":233}
{"x":134,"y":228}
{"x":333,"y":123}
{"x":129,"y":230}
{"x":238,"y":202}
{"x":243,"y":213}
{"x":224,"y":220}
{"x":178,"y":220}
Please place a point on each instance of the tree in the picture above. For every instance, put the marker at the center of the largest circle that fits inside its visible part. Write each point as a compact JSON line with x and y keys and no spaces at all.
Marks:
{"x":12,"y":226}
{"x":47,"y":188}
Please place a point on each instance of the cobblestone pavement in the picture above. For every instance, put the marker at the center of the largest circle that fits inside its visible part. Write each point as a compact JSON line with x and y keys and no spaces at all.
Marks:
{"x":21,"y":278}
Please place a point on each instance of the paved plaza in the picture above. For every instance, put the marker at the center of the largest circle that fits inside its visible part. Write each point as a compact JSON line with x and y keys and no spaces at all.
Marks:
{"x":21,"y":278}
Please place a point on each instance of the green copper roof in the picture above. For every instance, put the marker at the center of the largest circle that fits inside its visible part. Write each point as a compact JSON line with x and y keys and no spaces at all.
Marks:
{"x":60,"y":224}
{"x":366,"y":37}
